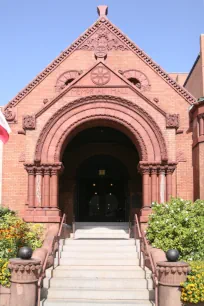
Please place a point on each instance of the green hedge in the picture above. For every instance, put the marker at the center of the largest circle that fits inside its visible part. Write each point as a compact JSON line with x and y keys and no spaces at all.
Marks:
{"x":178,"y":224}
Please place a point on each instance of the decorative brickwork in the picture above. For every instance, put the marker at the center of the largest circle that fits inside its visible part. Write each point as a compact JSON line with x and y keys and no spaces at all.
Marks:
{"x":125,"y":43}
{"x":105,"y":99}
{"x":138,"y":75}
{"x":29,"y":122}
{"x":172,"y":121}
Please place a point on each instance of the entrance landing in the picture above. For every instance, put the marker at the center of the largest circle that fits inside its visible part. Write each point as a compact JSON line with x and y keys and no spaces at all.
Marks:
{"x":101,"y":230}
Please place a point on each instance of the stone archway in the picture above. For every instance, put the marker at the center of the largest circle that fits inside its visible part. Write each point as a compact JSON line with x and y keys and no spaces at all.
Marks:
{"x":110,"y":111}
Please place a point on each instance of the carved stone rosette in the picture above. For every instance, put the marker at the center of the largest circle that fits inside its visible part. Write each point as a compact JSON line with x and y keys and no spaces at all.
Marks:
{"x":9,"y":114}
{"x":172,"y":121}
{"x":29,"y":122}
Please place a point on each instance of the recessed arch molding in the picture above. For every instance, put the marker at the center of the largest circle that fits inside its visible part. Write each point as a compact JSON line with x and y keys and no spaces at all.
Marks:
{"x":109,"y":110}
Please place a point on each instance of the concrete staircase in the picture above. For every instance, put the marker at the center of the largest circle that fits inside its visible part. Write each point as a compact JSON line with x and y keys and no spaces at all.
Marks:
{"x":99,"y":266}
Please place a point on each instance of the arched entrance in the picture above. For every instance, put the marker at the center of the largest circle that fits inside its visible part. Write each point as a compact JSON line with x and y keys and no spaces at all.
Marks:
{"x":100,"y":181}
{"x":96,"y":111}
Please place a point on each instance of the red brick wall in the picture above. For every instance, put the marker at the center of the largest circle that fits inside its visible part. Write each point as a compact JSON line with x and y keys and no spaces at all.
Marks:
{"x":14,"y":175}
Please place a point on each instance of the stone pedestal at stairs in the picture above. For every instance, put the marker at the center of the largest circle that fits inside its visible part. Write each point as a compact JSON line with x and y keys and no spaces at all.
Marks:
{"x":171,"y":275}
{"x":24,"y":277}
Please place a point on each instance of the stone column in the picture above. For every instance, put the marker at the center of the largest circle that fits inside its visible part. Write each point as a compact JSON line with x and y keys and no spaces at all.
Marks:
{"x":46,"y":188}
{"x":162,"y":185}
{"x":170,"y":275}
{"x":145,"y":188}
{"x":201,"y":124}
{"x":31,"y":187}
{"x":168,"y":184}
{"x":54,"y":188}
{"x":154,"y":184}
{"x":38,"y":187}
{"x":24,"y":277}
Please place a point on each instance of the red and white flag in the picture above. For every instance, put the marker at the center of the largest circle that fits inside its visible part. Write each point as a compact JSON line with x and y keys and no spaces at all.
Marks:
{"x":4,"y":129}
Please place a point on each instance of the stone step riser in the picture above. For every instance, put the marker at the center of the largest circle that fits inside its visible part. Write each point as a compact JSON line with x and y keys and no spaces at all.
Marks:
{"x":99,"y":235}
{"x":102,"y":230}
{"x":100,"y":255}
{"x":99,"y":274}
{"x":101,"y":224}
{"x":96,"y":302}
{"x":98,"y":294}
{"x":100,"y":262}
{"x":99,"y":248}
{"x":104,"y":242}
{"x":94,"y":283}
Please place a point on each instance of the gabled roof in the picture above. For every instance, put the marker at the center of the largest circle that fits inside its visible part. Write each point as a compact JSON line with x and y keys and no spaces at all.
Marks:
{"x":102,"y":21}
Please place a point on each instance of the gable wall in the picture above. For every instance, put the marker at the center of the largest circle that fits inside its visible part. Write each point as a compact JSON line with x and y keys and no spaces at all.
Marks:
{"x":169,"y":101}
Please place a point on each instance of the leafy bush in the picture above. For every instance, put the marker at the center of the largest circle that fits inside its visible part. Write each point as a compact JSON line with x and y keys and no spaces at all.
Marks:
{"x":178,"y":224}
{"x":193,"y":289}
{"x":4,"y":273}
{"x":15,"y":233}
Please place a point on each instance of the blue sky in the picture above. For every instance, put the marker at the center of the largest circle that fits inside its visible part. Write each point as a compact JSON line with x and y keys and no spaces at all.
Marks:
{"x":33,"y":33}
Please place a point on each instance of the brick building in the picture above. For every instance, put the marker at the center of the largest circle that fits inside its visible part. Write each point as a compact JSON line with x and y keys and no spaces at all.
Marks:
{"x":103,"y":132}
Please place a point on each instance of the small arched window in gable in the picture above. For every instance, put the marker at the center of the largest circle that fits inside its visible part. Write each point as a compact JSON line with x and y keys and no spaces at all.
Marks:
{"x":135,"y":82}
{"x":137,"y":78}
{"x":66,"y":78}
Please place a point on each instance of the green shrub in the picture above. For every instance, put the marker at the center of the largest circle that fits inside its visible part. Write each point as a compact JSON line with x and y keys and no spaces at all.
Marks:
{"x":15,"y":233}
{"x":192,"y":290}
{"x":178,"y":224}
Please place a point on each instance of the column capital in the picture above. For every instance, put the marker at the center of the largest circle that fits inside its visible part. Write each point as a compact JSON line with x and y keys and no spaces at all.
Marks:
{"x":39,"y":171}
{"x":24,"y":271}
{"x":144,"y":168}
{"x":172,"y":273}
{"x":161,"y":170}
{"x":154,"y":170}
{"x":47,"y":171}
{"x":30,"y":168}
{"x":201,"y":116}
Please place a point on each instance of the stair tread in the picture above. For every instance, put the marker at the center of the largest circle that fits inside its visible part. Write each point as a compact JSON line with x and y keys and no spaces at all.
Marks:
{"x":97,"y":302}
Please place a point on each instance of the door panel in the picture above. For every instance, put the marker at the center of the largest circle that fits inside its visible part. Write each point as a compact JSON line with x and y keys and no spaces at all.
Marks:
{"x":101,"y":199}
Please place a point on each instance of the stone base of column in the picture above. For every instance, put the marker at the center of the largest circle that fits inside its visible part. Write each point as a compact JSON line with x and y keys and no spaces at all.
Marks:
{"x":42,"y":215}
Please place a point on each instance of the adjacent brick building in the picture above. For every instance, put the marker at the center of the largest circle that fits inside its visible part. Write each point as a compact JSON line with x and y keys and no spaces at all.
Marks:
{"x":103,"y":132}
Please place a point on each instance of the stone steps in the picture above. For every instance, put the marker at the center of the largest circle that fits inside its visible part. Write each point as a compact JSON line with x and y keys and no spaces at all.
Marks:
{"x":99,"y":255}
{"x":99,"y":261}
{"x":95,"y":242}
{"x":99,"y":272}
{"x":98,"y":248}
{"x":100,"y":267}
{"x":99,"y":283}
{"x":99,"y":294}
{"x":82,"y":302}
{"x":99,"y":235}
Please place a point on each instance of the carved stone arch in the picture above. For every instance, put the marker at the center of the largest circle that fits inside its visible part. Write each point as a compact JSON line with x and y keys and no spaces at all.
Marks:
{"x":119,"y":112}
{"x":103,"y":120}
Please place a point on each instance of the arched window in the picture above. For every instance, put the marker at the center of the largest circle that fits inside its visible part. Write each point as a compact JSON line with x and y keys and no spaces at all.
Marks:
{"x":135,"y":82}
{"x":67,"y":82}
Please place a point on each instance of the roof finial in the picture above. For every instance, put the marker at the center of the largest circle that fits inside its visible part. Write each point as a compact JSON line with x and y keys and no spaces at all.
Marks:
{"x":102,"y":10}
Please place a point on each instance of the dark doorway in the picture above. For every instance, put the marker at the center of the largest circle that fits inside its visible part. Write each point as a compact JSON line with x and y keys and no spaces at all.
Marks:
{"x":102,"y":190}
{"x":100,"y":181}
